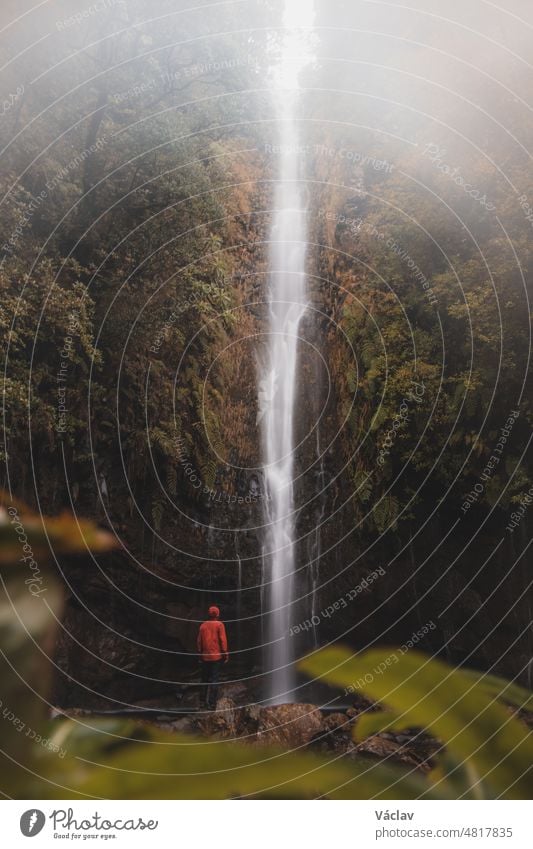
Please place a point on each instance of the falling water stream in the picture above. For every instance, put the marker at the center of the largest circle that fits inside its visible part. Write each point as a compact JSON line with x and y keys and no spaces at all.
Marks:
{"x":315,"y":540}
{"x":287,"y":301}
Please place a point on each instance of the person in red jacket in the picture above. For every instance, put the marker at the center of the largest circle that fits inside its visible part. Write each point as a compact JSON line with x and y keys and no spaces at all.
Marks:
{"x":212,"y":645}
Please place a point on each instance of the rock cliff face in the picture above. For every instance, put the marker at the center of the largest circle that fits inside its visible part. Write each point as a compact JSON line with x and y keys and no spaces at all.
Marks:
{"x":131,"y":619}
{"x":130,"y":625}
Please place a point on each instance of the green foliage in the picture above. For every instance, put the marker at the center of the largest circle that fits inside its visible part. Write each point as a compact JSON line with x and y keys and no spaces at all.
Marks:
{"x":499,"y":688}
{"x":68,"y":534}
{"x":385,"y":512}
{"x":139,"y":762}
{"x":434,"y":287}
{"x":124,"y":223}
{"x":492,"y":747}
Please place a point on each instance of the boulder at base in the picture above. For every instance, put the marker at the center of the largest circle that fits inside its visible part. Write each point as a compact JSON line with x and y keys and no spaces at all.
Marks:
{"x":289,"y":726}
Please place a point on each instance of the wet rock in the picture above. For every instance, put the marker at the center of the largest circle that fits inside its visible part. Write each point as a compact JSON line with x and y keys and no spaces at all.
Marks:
{"x":335,"y":735}
{"x":336,"y":722}
{"x":290,"y":726}
{"x":414,"y":751}
{"x":229,"y":721}
{"x":361,"y":704}
{"x":188,"y":697}
{"x":221,"y":723}
{"x":294,"y":726}
{"x":248,"y":718}
{"x":184,"y":725}
{"x":384,"y":748}
{"x":237,"y":692}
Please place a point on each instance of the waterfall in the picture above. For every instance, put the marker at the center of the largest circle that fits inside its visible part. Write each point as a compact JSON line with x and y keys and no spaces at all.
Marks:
{"x":316,"y":544}
{"x":287,"y":301}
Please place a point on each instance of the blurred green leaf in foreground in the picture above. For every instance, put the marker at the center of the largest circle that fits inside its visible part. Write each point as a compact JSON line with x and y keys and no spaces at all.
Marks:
{"x":488,"y":752}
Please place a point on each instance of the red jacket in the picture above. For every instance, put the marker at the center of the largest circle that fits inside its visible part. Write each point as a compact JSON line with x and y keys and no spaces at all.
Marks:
{"x":212,"y":643}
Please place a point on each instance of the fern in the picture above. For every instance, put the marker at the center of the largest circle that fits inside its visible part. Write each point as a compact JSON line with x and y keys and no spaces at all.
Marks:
{"x":385,"y":513}
{"x":172,"y":479}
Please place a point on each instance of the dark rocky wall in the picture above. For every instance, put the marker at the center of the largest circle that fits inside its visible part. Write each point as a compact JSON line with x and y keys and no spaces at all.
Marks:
{"x":131,"y":619}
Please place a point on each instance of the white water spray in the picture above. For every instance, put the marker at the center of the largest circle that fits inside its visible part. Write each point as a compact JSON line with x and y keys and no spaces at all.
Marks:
{"x":278,"y":380}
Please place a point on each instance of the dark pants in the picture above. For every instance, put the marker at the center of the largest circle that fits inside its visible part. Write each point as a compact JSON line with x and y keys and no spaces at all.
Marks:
{"x":210,"y":676}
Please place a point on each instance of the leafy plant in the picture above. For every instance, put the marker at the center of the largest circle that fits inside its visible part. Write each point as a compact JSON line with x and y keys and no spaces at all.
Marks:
{"x":492,"y":748}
